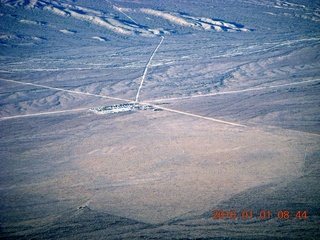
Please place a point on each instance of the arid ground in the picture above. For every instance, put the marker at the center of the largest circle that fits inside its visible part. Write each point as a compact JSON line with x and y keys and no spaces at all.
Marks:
{"x":234,"y":124}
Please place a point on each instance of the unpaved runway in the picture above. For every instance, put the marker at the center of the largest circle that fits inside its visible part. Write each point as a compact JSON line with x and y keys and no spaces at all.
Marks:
{"x":146,"y":69}
{"x":237,"y":91}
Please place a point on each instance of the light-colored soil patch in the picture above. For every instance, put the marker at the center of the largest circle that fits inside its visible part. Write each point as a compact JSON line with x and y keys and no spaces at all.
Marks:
{"x":179,"y":166}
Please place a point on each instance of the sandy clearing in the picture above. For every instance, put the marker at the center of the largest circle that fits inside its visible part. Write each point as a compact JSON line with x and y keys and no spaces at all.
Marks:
{"x":167,"y":16}
{"x":65,"y":31}
{"x":101,"y":39}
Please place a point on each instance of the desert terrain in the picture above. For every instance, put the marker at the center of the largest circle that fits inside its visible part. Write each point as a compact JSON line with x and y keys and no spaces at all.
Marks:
{"x":232,"y":123}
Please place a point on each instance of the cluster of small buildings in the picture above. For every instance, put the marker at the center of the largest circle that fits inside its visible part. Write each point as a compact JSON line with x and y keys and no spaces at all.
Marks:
{"x":125,"y":107}
{"x":143,"y":107}
{"x":113,"y":109}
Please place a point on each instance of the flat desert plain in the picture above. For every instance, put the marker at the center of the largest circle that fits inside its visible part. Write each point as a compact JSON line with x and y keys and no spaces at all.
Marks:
{"x":220,"y":139}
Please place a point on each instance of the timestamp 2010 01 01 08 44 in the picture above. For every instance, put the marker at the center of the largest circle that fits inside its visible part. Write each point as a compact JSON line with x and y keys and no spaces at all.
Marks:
{"x":263,"y":214}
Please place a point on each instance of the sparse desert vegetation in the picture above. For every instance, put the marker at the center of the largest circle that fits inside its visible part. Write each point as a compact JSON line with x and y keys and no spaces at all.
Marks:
{"x":234,"y":93}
